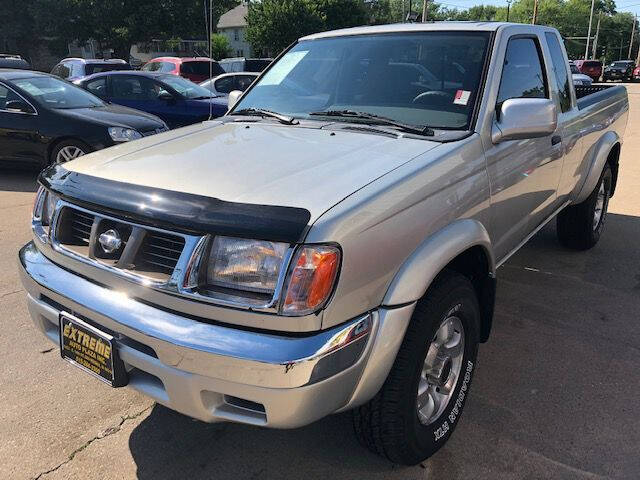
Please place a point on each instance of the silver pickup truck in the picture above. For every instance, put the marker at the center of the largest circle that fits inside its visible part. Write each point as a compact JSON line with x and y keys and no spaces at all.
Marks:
{"x":330,"y":244}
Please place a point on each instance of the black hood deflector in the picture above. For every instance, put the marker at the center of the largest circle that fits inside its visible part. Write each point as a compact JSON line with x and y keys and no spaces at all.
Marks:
{"x":178,"y":211}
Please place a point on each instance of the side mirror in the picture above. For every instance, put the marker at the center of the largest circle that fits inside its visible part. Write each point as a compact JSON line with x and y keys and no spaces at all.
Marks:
{"x":166,"y":96}
{"x":234,"y":96}
{"x":521,"y":118}
{"x":19,"y":106}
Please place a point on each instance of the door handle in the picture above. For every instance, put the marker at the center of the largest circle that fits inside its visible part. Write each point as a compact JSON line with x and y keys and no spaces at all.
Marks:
{"x":556,"y":139}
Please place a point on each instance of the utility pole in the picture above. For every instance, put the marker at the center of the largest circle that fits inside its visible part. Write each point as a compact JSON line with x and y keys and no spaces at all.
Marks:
{"x":535,"y":12}
{"x":620,"y":54}
{"x":594,"y":51}
{"x":508,"y":5}
{"x":633,"y":30}
{"x":424,"y":11}
{"x":586,"y":50}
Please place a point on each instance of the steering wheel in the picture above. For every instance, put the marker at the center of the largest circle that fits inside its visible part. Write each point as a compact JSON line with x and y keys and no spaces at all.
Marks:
{"x":434,"y":97}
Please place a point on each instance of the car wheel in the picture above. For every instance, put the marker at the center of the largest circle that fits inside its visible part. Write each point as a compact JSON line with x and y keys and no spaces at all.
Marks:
{"x":68,"y":150}
{"x":420,"y":403}
{"x":580,"y":226}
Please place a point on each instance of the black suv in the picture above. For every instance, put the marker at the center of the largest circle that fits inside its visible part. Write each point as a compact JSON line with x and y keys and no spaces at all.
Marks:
{"x":620,"y":70}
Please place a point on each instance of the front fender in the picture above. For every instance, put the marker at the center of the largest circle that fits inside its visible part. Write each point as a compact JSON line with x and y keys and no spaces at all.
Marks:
{"x":598,"y":153}
{"x":423,"y":265}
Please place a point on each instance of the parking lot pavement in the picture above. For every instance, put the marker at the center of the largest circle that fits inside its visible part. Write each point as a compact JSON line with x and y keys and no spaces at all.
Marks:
{"x":556,"y":393}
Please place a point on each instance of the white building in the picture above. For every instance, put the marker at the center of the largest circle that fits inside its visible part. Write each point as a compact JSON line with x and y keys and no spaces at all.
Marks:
{"x":233,"y":25}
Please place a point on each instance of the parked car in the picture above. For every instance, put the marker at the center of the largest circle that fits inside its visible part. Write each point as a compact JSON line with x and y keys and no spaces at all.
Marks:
{"x":241,"y":64}
{"x":45,"y":120}
{"x":174,"y":99}
{"x":592,"y":68}
{"x":76,"y":68}
{"x":8,"y":60}
{"x":332,"y":243}
{"x":621,"y":70}
{"x":579,"y":78}
{"x":636,"y":74}
{"x":227,"y":82}
{"x":196,"y":69}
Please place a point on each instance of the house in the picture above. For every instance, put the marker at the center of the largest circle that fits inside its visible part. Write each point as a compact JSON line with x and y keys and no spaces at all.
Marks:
{"x":233,"y":25}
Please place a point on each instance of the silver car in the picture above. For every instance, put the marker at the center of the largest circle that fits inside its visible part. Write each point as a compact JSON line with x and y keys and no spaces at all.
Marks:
{"x":227,"y":82}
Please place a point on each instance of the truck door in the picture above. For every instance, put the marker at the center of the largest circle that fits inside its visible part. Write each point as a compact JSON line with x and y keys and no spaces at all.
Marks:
{"x":569,"y":125}
{"x":523,"y":174}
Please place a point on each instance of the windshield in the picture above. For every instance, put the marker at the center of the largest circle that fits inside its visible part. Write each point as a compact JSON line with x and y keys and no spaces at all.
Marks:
{"x":620,"y":64}
{"x":186,"y":87}
{"x":574,"y":69}
{"x":426,"y":79}
{"x":55,"y":93}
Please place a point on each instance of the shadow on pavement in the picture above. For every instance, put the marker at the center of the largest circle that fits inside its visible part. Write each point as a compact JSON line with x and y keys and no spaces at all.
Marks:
{"x":169,"y":445}
{"x":18,"y":179}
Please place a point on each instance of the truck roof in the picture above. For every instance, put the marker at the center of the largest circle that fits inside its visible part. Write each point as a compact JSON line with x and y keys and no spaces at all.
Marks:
{"x":413,"y":27}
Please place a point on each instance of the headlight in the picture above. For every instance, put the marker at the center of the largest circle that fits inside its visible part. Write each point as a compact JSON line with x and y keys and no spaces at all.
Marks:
{"x":245,"y":265}
{"x":252,"y":273}
{"x":44,"y":206}
{"x":122,"y":134}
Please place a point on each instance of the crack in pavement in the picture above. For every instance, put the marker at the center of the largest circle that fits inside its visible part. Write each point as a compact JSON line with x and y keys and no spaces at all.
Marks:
{"x":11,"y":293}
{"x":109,"y":431}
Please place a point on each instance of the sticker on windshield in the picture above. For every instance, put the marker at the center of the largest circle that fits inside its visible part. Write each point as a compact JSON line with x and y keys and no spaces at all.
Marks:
{"x":462,"y":97}
{"x":283,"y":67}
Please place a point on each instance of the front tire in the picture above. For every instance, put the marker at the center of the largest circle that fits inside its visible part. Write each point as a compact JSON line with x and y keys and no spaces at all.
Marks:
{"x":68,"y":150}
{"x":418,"y":407}
{"x":580,"y":226}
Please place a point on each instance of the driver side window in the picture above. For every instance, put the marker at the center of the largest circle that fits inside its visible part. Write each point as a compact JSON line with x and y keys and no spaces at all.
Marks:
{"x":522,"y":73}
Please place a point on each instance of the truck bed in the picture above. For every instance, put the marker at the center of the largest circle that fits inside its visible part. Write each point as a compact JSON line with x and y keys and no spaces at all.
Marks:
{"x":587,"y":96}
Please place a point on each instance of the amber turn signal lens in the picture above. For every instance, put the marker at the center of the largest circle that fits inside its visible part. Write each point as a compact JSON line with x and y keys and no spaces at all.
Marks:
{"x":311,"y":279}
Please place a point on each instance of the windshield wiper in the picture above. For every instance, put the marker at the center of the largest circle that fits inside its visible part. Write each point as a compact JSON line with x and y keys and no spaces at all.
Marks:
{"x":420,"y":130}
{"x":287,"y":120}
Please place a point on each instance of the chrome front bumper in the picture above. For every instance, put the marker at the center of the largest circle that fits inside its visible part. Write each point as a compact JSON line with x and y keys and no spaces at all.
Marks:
{"x":217,"y":373}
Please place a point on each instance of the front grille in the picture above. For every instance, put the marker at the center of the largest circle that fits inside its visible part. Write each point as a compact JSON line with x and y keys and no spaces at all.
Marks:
{"x":159,"y":252}
{"x":132,"y":248}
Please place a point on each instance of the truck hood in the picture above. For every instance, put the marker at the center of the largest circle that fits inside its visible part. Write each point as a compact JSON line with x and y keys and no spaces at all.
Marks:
{"x":256,"y":162}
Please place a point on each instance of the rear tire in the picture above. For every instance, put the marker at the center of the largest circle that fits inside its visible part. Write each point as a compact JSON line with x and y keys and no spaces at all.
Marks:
{"x":580,"y":226}
{"x":416,"y":410}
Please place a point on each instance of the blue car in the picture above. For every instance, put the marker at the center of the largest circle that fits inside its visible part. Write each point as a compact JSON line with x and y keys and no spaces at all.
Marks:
{"x":174,"y":99}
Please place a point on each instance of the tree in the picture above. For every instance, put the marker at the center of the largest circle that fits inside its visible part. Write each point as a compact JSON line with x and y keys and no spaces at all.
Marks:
{"x":220,"y":47}
{"x":272,"y":25}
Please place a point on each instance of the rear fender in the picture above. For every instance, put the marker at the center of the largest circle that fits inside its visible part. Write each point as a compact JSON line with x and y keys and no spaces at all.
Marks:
{"x":598,"y":153}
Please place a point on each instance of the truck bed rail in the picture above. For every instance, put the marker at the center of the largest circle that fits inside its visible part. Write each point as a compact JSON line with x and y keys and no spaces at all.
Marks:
{"x":595,"y":93}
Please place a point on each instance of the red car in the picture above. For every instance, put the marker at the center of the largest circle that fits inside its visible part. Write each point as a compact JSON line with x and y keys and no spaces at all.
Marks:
{"x":636,"y":74}
{"x":196,"y":69}
{"x":592,"y":68}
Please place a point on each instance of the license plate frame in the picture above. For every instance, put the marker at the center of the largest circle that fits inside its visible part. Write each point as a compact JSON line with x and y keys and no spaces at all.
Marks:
{"x":90,"y":349}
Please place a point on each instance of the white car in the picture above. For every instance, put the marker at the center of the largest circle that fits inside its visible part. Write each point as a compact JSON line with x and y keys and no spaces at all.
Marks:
{"x":227,"y":82}
{"x":579,"y":79}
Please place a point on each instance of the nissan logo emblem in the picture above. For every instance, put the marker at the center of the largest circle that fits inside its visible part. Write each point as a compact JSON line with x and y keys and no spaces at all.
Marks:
{"x":110,"y":241}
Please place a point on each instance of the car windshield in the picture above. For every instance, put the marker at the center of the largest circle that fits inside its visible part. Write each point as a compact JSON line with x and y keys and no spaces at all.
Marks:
{"x":574,"y":69}
{"x":91,"y":68}
{"x":186,"y":87}
{"x":55,"y":93}
{"x":620,"y":64}
{"x":423,"y":79}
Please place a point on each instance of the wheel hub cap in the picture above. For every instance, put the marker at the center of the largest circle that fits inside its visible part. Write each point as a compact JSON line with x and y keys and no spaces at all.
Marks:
{"x":441,"y":370}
